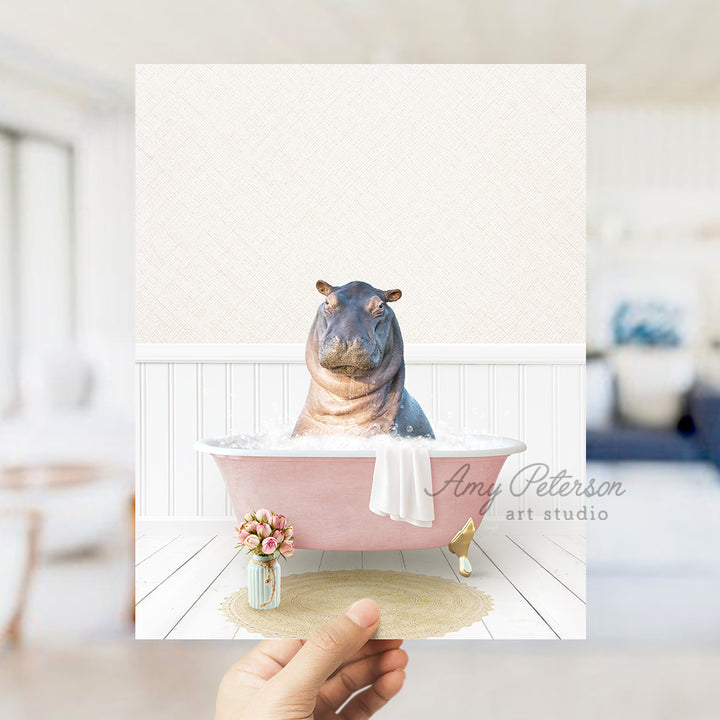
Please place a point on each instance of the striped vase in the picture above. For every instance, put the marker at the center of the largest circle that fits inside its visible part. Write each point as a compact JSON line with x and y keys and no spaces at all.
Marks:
{"x":263,"y":582}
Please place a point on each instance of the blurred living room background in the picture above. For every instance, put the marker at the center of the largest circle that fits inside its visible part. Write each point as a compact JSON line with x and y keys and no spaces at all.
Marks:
{"x":66,"y":331}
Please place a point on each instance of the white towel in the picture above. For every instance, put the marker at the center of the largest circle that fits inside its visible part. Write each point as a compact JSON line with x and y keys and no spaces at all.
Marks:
{"x":402,"y":474}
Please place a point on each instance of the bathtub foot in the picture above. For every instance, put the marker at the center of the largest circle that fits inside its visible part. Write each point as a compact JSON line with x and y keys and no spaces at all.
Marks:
{"x":460,"y":545}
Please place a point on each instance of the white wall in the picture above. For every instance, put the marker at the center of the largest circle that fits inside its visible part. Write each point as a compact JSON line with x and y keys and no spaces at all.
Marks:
{"x":533,"y":393}
{"x":105,"y":258}
{"x":652,"y":148}
{"x":654,"y":209}
{"x":45,"y":246}
{"x":462,"y":185}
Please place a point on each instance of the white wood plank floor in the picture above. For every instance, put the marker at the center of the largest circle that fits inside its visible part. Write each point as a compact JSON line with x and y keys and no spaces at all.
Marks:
{"x":537,"y":583}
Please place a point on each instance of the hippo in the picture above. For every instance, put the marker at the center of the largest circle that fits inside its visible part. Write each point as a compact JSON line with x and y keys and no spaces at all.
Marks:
{"x":355,"y":357}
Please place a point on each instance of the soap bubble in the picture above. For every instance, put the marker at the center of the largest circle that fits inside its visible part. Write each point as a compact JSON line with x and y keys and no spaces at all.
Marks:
{"x":280,"y":438}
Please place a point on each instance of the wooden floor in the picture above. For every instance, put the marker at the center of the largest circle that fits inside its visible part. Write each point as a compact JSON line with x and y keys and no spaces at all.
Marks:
{"x":537,"y":583}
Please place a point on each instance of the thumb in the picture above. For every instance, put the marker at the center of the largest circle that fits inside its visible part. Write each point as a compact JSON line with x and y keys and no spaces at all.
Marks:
{"x":328,"y":648}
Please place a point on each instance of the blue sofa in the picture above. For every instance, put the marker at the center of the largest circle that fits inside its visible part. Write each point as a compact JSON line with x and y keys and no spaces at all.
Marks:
{"x":697,"y":436}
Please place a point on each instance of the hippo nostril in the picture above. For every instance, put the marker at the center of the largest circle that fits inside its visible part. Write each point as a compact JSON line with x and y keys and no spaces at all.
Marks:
{"x":339,"y":344}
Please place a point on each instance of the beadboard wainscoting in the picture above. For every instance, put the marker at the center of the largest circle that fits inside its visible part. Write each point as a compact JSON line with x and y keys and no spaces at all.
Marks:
{"x":535,"y":393}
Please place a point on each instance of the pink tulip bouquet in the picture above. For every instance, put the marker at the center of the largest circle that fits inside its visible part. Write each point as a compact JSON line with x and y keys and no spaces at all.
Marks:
{"x":264,"y":532}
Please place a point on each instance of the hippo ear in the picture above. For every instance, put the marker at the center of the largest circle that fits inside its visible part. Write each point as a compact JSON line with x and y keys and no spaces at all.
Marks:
{"x":391,"y":295}
{"x":324,"y":288}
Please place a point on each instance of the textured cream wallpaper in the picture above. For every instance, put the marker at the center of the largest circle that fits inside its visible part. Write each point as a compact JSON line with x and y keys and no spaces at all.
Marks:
{"x":463,"y":185}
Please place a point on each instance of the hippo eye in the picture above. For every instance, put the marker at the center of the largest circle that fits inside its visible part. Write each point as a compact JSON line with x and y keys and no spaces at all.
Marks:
{"x":379,"y":310}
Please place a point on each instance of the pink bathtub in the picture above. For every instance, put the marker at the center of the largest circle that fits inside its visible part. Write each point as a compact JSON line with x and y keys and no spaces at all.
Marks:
{"x":326,"y":493}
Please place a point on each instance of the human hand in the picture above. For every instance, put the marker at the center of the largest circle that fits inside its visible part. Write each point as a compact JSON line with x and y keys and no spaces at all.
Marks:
{"x":303,"y":680}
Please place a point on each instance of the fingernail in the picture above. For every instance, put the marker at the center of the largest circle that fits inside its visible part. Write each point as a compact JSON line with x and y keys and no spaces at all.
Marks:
{"x":364,"y":613}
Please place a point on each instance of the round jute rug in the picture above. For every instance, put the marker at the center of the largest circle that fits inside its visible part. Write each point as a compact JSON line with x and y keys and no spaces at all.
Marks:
{"x":411,"y":605}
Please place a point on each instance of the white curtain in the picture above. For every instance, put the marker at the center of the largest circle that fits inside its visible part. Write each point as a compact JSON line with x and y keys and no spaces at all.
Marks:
{"x":45,"y":253}
{"x":37,"y":266}
{"x":8,"y":340}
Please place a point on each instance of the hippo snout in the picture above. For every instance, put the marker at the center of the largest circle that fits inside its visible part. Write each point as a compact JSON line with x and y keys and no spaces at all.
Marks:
{"x":356,"y":357}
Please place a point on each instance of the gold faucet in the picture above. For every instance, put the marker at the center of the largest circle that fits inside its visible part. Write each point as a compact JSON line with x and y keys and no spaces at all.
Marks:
{"x":460,"y":545}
